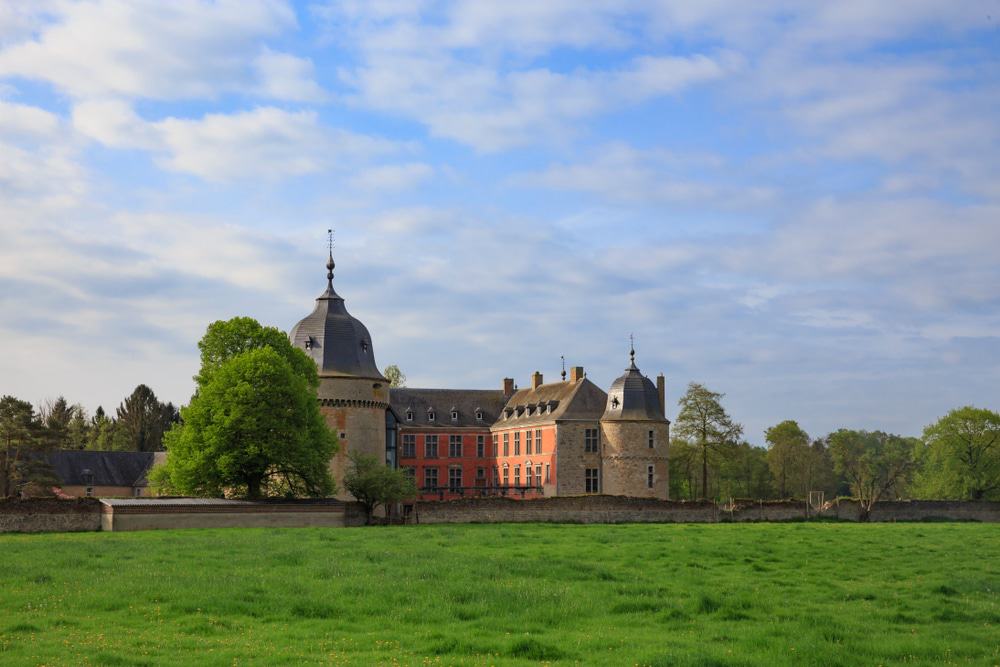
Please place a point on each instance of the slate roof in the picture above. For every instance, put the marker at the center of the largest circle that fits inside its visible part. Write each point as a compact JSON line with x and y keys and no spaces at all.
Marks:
{"x":633,"y":396}
{"x":108,"y":468}
{"x":580,"y":400}
{"x":338,"y":342}
{"x":442,"y":401}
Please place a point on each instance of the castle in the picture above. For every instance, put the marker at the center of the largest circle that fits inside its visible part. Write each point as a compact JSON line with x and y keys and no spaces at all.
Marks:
{"x":548,"y":439}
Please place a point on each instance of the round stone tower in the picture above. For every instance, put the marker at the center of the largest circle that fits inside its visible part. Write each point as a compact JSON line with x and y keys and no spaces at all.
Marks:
{"x":353,"y":394}
{"x":636,"y":437}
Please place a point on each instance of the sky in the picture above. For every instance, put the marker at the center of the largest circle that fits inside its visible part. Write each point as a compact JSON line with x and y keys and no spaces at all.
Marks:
{"x":796,"y":204}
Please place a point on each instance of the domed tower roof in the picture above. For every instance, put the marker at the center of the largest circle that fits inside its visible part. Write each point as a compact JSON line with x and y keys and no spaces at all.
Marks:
{"x":633,"y":396}
{"x":339,"y":343}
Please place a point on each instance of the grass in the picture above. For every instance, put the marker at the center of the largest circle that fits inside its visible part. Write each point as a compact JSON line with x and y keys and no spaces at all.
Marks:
{"x":756,"y":594}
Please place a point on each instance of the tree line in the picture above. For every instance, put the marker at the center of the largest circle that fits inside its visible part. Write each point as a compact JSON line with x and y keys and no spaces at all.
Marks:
{"x":27,"y":432}
{"x":957,"y":457}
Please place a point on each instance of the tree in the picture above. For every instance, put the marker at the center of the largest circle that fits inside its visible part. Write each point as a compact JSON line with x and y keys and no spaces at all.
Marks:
{"x":395,"y":376}
{"x":961,"y":456}
{"x":875,"y":463}
{"x":78,"y":431}
{"x":253,"y":426}
{"x":683,"y":469}
{"x":373,"y":483}
{"x":225,"y":339}
{"x":142,"y":421}
{"x":745,"y":473}
{"x":22,"y":441}
{"x":102,"y":431}
{"x":56,"y":415}
{"x":703,"y":422}
{"x":788,"y":456}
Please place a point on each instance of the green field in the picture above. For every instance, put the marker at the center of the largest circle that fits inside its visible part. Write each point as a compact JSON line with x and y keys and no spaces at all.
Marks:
{"x":761,"y":594}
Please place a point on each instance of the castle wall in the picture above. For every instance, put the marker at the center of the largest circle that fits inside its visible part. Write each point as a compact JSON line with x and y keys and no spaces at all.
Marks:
{"x":571,"y":459}
{"x":354,"y":409}
{"x":627,"y":455}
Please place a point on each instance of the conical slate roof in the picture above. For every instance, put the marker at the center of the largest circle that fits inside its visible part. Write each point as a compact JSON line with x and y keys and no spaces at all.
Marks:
{"x":339,"y":343}
{"x":633,"y":396}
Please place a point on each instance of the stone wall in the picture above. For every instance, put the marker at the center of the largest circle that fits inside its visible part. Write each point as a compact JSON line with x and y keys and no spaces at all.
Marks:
{"x":626,"y":456}
{"x":156,"y":514}
{"x":618,"y":509}
{"x":565,"y":509}
{"x":49,"y":515}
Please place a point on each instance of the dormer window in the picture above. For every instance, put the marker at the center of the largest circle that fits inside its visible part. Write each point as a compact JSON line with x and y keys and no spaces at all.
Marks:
{"x":479,"y":415}
{"x":454,"y":415}
{"x":529,"y":410}
{"x":507,"y":412}
{"x":430,"y":414}
{"x":364,"y":346}
{"x":309,"y":343}
{"x":615,"y":402}
{"x":409,"y":414}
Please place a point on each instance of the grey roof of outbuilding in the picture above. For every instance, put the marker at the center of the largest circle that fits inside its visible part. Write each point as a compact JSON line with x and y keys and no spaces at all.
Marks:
{"x":633,"y":396}
{"x":338,"y":342}
{"x":108,"y":468}
{"x":581,"y":399}
{"x":442,"y":401}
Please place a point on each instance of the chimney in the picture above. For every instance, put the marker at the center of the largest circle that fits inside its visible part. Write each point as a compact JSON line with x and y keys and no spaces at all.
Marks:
{"x":508,"y":387}
{"x":536,"y":380}
{"x":576,"y":373}
{"x":661,"y":389}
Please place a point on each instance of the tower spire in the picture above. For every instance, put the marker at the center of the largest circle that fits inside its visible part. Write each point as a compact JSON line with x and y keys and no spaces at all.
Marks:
{"x":329,"y":262}
{"x":563,"y":358}
{"x":631,"y":349}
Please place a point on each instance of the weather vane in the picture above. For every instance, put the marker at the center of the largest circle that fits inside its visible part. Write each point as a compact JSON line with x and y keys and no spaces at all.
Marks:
{"x":329,"y":240}
{"x":563,"y":358}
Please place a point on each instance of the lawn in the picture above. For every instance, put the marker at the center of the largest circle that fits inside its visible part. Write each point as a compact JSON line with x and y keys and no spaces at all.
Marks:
{"x":754,"y":594}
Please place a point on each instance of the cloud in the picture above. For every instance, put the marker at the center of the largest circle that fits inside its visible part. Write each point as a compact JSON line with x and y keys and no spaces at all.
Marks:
{"x":265,"y":142}
{"x":178,"y":50}
{"x":393,"y":176}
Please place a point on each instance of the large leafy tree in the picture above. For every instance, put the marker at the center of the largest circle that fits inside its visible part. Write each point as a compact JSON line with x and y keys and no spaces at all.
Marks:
{"x":253,"y":426}
{"x":373,"y":483}
{"x":704,"y":423}
{"x":961,"y":456}
{"x":745,"y":472}
{"x":788,"y":456}
{"x":395,"y":376}
{"x":875,"y":464}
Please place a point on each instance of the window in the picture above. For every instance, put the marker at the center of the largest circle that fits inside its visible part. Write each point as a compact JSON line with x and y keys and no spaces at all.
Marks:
{"x":652,"y":439}
{"x":430,"y":446}
{"x":592,"y":480}
{"x":496,"y":476}
{"x":454,"y":415}
{"x":409,"y":445}
{"x":649,"y":476}
{"x":409,"y":415}
{"x":430,"y":415}
{"x":89,"y":491}
{"x":496,"y":450}
{"x":538,"y":476}
{"x":538,"y":441}
{"x":590,"y":440}
{"x":506,"y":444}
{"x":455,"y":446}
{"x":506,"y":475}
{"x":517,"y":443}
{"x":517,"y":475}
{"x":430,"y":478}
{"x":528,"y":442}
{"x":480,"y":477}
{"x":480,"y":446}
{"x":454,"y":479}
{"x":137,"y":491}
{"x":548,"y":474}
{"x":479,"y":415}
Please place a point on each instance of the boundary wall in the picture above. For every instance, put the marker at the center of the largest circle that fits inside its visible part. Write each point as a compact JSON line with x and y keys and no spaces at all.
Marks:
{"x":50,"y":515}
{"x":172,"y":513}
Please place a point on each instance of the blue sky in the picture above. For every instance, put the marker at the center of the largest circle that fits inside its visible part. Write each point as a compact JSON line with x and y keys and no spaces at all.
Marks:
{"x":794,"y":203}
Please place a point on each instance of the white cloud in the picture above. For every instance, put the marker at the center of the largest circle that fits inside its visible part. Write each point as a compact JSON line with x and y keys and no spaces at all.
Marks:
{"x":286,"y":77}
{"x":393,"y":176}
{"x":176,"y":50}
{"x":22,"y":121}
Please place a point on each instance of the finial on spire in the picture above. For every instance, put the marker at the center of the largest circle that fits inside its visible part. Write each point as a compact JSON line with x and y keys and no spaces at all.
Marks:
{"x":329,"y":262}
{"x":563,"y":358}
{"x":631,"y":349}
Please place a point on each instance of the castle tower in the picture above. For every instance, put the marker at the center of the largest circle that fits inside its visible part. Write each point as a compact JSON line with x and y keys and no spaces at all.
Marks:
{"x":353,"y":394}
{"x":636,"y":437}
